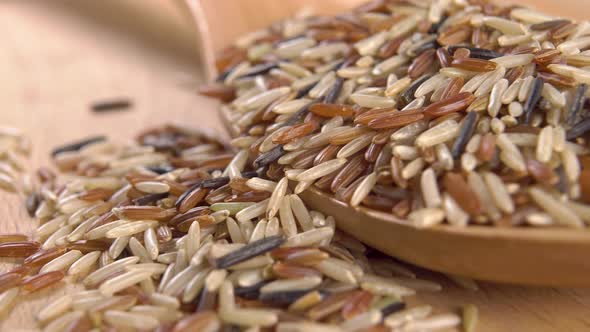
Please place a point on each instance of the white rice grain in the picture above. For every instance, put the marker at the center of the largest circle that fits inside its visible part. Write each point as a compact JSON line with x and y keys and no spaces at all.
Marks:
{"x":363,"y":189}
{"x":123,"y":281}
{"x":559,"y":211}
{"x":62,"y":262}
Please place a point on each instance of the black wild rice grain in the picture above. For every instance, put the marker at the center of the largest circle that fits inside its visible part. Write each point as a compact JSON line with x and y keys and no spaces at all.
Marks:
{"x":479,"y":53}
{"x":245,"y":174}
{"x":250,"y":292}
{"x":393,"y":307}
{"x":75,"y":146}
{"x":260,"y":69}
{"x":436,"y":26}
{"x":223,"y":180}
{"x":250,"y":174}
{"x":269,"y":157}
{"x":160,"y":169}
{"x":426,"y":46}
{"x":465,"y":134}
{"x":408,"y":95}
{"x":331,"y":96}
{"x":112,"y":105}
{"x":305,"y":90}
{"x":282,"y":298}
{"x":345,"y":63}
{"x":212,"y":184}
{"x":579,"y":129}
{"x":584,"y":111}
{"x":222,"y":76}
{"x":148,"y":199}
{"x":533,"y":99}
{"x":577,"y":104}
{"x":249,"y":251}
{"x":31,"y":203}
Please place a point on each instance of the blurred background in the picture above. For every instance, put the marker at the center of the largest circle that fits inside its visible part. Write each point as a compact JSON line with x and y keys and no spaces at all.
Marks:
{"x":59,"y":56}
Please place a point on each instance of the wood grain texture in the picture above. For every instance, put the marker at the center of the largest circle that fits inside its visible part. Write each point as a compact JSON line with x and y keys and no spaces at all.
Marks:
{"x":540,"y":257}
{"x":58,"y":57}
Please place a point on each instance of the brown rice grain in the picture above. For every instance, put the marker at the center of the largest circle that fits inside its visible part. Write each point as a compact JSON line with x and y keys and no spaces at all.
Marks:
{"x":35,"y":283}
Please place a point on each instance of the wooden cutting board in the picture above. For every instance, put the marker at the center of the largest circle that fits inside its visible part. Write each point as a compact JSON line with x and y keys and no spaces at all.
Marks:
{"x":59,"y":57}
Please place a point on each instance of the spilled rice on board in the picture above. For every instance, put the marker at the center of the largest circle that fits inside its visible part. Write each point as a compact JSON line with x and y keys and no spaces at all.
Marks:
{"x":448,"y":111}
{"x":178,"y":233}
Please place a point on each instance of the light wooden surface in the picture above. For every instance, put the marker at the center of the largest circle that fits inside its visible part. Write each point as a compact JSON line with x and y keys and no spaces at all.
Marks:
{"x":58,"y":57}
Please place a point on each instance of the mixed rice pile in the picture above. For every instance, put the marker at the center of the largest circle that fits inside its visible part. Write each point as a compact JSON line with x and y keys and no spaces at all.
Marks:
{"x":178,"y":233}
{"x":455,"y":111}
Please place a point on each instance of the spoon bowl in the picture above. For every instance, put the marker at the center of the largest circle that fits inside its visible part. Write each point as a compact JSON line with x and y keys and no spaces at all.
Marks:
{"x":530,"y":256}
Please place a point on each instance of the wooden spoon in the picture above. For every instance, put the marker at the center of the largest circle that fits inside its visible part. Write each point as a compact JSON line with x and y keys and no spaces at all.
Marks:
{"x":532,"y":256}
